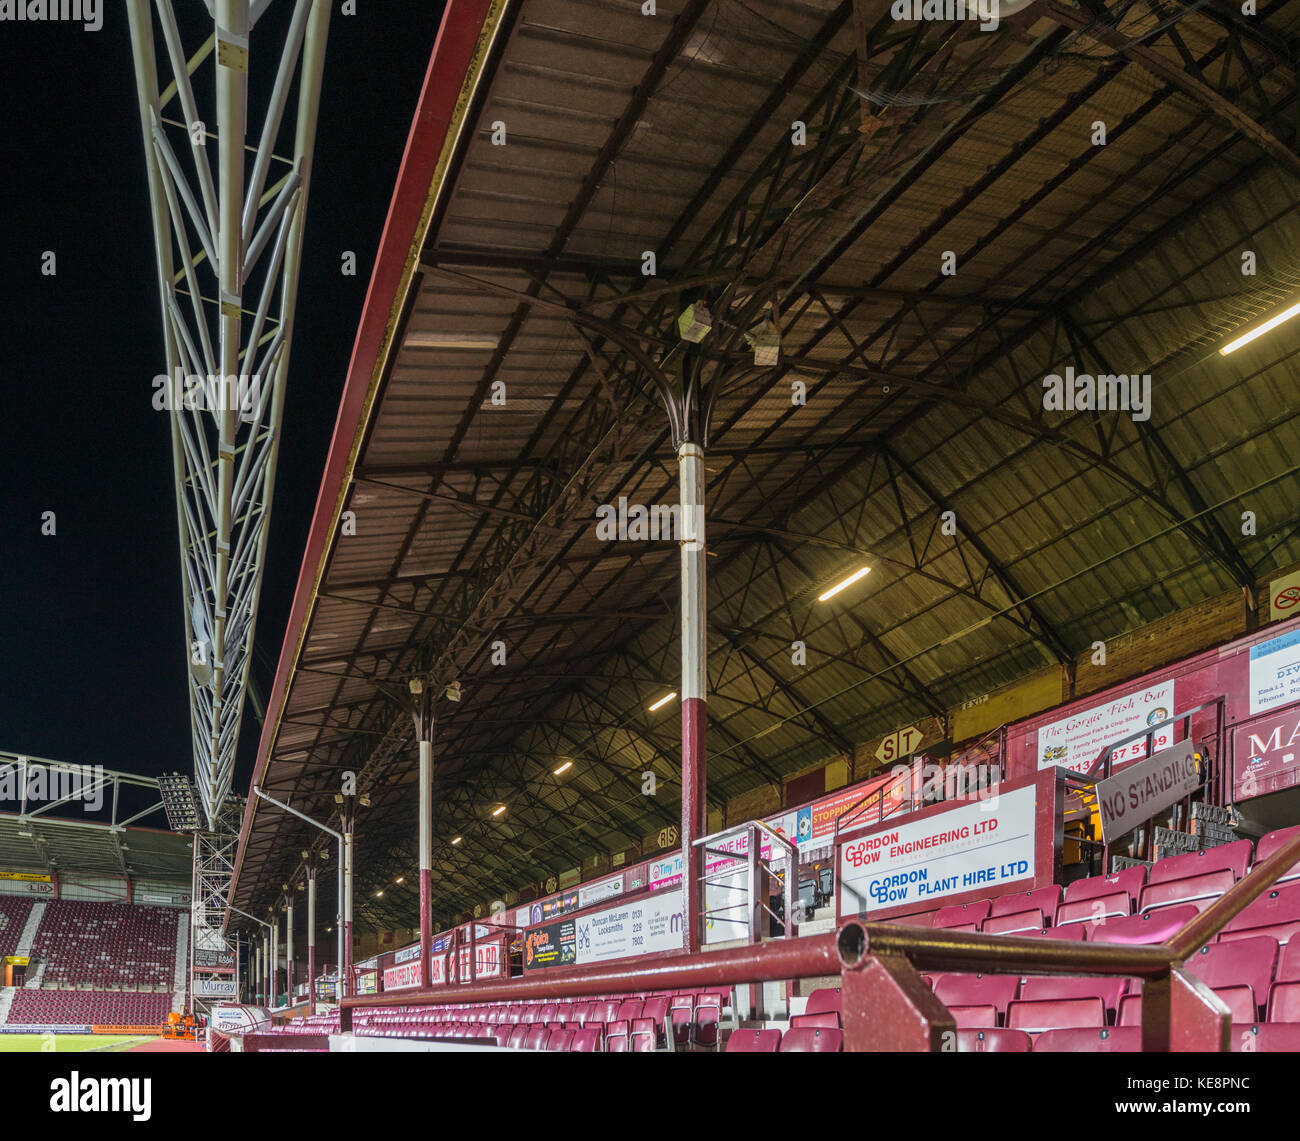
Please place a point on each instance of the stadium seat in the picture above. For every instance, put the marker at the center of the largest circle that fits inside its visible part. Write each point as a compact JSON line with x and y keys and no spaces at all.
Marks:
{"x":1234,"y":857}
{"x":517,"y":1036}
{"x":974,"y":1016}
{"x":560,"y":1040}
{"x":1284,"y":1002}
{"x":1276,"y":913}
{"x":812,"y":1040}
{"x":1045,"y":988}
{"x":585,"y":1041}
{"x":1019,"y":922}
{"x":644,"y":1036}
{"x":977,"y":990}
{"x":1142,"y":929}
{"x":1073,"y":932}
{"x":754,"y":1042}
{"x":536,"y":1037}
{"x":1248,"y":963}
{"x":1119,"y":1040}
{"x":1056,"y":1014}
{"x":1129,"y":882}
{"x":993,"y":1041}
{"x":1271,"y":843}
{"x":1044,"y":899}
{"x":617,"y":1034}
{"x":962,"y":915}
{"x":825,"y":998}
{"x":503,"y":1036}
{"x":1098,"y":908}
{"x":827,"y":1019}
{"x":1201,"y":889}
{"x":1266,"y":1038}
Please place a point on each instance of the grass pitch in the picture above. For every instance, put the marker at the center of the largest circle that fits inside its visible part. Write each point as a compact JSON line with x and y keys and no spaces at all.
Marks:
{"x":67,"y":1043}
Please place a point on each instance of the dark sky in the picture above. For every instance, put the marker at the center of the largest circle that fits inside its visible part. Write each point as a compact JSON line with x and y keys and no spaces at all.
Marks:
{"x":92,"y":638}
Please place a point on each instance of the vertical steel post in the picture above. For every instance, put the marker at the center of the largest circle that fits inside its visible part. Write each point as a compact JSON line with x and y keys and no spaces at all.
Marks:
{"x":274,"y":972}
{"x":311,"y":935}
{"x":426,"y":844}
{"x":338,"y":925}
{"x":690,"y":461}
{"x":345,"y":963}
{"x":288,"y":947}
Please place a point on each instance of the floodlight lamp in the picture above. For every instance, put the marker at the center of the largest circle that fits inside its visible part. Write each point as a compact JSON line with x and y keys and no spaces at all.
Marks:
{"x":453,"y":691}
{"x":695,"y":322}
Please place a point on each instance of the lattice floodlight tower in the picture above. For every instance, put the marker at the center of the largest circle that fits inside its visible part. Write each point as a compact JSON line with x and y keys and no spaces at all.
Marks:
{"x":228,"y":206}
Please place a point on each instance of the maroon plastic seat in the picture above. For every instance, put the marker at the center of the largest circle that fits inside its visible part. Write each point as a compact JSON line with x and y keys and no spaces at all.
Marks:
{"x":503,"y":1034}
{"x":823,"y":999}
{"x":629,"y":1009}
{"x":616,"y":1037}
{"x":1130,"y":1011}
{"x":682,"y":1019}
{"x":1288,"y":963}
{"x":992,"y":1041}
{"x":1242,"y":962}
{"x":812,"y":1040}
{"x":606,"y":1011}
{"x":1096,"y":909}
{"x":977,"y":990}
{"x":754,"y":1042}
{"x":1284,"y":1002}
{"x":1265,"y":1038}
{"x":547,"y":1013}
{"x":537,"y":1037}
{"x":1203,"y":889}
{"x":969,"y":1017}
{"x":560,"y":1040}
{"x":1129,"y":881}
{"x":585,"y":1041}
{"x":1275,"y":913}
{"x":1116,"y":1040}
{"x":707,"y":1019}
{"x":1056,"y":1014}
{"x":1155,"y":927}
{"x":1271,"y":843}
{"x":1234,"y":857}
{"x":827,"y":1019}
{"x":1044,"y":899}
{"x":517,"y":1036}
{"x":1016,"y":923}
{"x":1045,"y":988}
{"x":1074,"y":932}
{"x":962,"y":915}
{"x":644,"y":1037}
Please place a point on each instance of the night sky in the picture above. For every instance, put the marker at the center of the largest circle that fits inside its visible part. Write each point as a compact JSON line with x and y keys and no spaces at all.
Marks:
{"x":92,"y":637}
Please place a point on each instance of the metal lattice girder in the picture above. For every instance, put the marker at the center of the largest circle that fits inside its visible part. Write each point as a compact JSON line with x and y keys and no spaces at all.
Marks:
{"x":228,"y":244}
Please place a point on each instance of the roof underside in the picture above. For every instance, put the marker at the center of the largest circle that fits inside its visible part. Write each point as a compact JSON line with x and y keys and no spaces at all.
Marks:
{"x":929,"y":146}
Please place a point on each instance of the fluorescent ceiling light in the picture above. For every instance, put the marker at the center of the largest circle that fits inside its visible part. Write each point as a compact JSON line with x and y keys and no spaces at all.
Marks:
{"x":379,"y":894}
{"x":417,"y":340}
{"x":498,"y":810}
{"x":1259,"y":331}
{"x":663,"y":701}
{"x":564,"y":768}
{"x":457,"y":840}
{"x":400,"y":879}
{"x":834,"y":590}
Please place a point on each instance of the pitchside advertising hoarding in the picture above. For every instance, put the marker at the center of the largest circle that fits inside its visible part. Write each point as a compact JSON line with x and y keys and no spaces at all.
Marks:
{"x":488,"y":960}
{"x":979,"y":847}
{"x":645,"y":926}
{"x":1266,"y":754}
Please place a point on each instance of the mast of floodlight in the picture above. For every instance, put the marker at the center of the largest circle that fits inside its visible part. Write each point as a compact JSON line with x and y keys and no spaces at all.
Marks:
{"x":228,"y":246}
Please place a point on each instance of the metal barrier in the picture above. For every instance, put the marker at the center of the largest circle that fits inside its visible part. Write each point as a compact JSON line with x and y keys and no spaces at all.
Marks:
{"x":885,"y":1004}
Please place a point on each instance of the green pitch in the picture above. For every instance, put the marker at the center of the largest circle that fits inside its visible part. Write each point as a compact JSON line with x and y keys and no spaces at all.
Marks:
{"x":66,"y":1043}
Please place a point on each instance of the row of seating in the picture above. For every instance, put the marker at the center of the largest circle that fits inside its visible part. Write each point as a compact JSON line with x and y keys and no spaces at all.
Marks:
{"x":38,"y":1007}
{"x":1243,"y":1038}
{"x":106,"y":944}
{"x":14,"y":910}
{"x":1137,"y":906}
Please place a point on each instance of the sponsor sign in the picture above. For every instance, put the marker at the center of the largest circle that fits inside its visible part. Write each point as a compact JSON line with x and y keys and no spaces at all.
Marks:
{"x":238,"y":1019}
{"x":1075,"y":742}
{"x":400,"y":977}
{"x":667,"y":871}
{"x":647,"y":926}
{"x":15,"y":960}
{"x":598,"y":892}
{"x":557,"y":905}
{"x":523,"y":917}
{"x":25,"y":877}
{"x":214,"y":960}
{"x":1275,"y":673}
{"x":1133,"y":796}
{"x":1284,"y":596}
{"x":1265,"y":754}
{"x":550,"y":946}
{"x":215,"y":988}
{"x":974,"y":847}
{"x":42,"y":1028}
